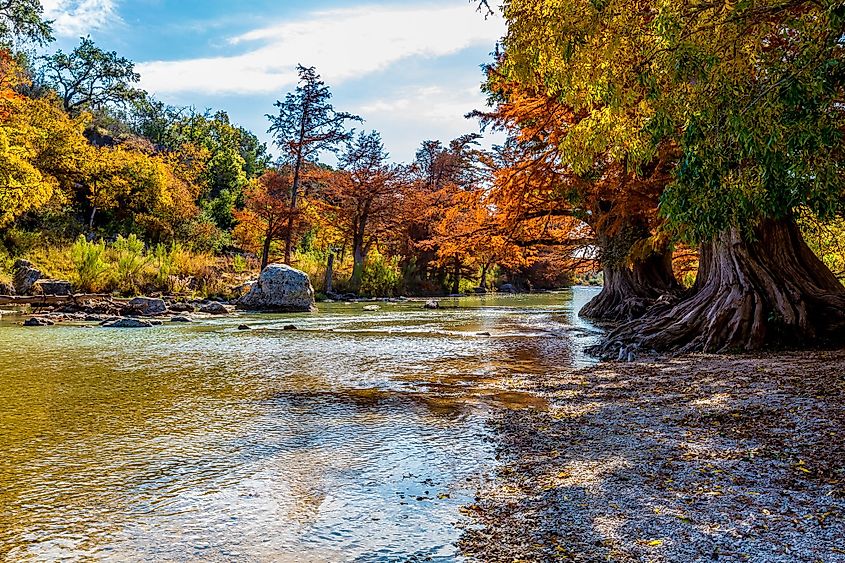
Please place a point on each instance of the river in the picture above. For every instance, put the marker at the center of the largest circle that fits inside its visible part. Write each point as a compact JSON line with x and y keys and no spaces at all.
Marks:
{"x":357,"y":437}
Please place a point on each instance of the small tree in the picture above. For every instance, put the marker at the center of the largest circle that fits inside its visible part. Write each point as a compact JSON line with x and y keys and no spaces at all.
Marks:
{"x":266,"y":211}
{"x":306,"y":124}
{"x":362,"y":195}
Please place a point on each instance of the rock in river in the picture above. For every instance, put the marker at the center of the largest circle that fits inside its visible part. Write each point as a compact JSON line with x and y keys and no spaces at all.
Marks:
{"x":280,"y":289}
{"x":129,"y":323}
{"x":38,"y":321}
{"x":148,"y":306}
{"x":432,"y":304}
{"x":181,"y":319}
{"x":214,"y":308}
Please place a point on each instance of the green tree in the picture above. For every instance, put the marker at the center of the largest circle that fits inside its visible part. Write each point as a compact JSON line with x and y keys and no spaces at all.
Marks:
{"x":305,"y":125}
{"x":23,"y":20}
{"x":752,"y":95}
{"x":89,"y":78}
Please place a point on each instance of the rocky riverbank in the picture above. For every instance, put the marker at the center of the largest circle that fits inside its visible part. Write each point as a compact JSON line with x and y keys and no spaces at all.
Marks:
{"x":701,"y":458}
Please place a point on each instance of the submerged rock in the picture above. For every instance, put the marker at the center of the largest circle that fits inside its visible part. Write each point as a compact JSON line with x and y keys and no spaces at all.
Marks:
{"x":38,"y":321}
{"x":214,"y":308}
{"x":280,"y":289}
{"x":181,"y":319}
{"x":128,"y":323}
{"x":148,"y":306}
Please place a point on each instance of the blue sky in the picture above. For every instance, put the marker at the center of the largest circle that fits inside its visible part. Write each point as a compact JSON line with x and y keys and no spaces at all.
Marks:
{"x":410,"y":68}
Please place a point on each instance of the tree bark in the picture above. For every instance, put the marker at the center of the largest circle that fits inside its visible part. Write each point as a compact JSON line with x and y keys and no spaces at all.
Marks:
{"x":771,"y":291}
{"x":329,"y":274}
{"x":629,"y":291}
{"x":265,"y":251}
{"x":456,"y":278}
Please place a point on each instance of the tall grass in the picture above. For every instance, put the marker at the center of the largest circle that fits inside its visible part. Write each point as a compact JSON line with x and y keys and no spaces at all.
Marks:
{"x":89,"y":263}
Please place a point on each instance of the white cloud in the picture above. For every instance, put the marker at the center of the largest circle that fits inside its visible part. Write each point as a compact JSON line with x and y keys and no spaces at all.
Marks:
{"x":78,"y":17}
{"x":410,"y":115}
{"x":342,"y":44}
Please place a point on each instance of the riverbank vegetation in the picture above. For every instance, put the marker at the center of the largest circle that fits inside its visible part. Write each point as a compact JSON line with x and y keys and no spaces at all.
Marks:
{"x":699,"y":163}
{"x":199,"y":202}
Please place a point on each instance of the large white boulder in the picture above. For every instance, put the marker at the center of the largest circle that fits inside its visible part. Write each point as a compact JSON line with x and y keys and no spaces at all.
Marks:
{"x":280,"y":289}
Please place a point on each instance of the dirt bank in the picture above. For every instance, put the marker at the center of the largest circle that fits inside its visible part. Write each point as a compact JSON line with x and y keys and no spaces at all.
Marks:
{"x":702,"y":458}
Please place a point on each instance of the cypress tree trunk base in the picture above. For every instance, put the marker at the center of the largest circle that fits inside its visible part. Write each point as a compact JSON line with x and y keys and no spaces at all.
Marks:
{"x":629,"y":292}
{"x":773,"y":292}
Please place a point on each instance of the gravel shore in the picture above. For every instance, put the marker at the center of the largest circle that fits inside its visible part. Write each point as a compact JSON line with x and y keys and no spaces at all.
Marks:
{"x":700,"y":458}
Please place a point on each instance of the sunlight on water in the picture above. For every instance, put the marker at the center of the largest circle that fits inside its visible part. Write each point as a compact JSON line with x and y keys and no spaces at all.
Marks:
{"x":355,"y":438}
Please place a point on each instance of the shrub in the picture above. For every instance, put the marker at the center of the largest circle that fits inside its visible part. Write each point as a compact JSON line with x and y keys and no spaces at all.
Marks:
{"x":382,"y":276}
{"x":131,"y":260}
{"x":88,"y":262}
{"x":239,"y":264}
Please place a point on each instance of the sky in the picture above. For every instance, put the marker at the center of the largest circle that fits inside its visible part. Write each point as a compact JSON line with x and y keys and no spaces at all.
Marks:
{"x":411,"y":69}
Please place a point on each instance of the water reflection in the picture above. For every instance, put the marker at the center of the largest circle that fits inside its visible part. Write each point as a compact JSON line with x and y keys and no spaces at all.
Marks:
{"x":355,"y":438}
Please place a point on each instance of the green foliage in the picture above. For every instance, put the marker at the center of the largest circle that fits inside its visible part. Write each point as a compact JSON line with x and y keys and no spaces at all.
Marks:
{"x":239,"y":264}
{"x":89,"y":78}
{"x":22,"y":20}
{"x":89,"y":264}
{"x":130,"y":261}
{"x":382,"y":276}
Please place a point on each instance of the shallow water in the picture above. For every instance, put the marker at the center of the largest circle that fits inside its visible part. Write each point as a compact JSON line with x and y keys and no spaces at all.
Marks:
{"x":355,"y":438}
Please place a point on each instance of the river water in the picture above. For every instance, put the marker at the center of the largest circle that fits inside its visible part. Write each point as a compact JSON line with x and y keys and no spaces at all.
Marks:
{"x":357,"y":437}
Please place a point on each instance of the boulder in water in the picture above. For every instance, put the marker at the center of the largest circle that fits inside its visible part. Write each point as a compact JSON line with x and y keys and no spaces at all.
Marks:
{"x":432,"y":304}
{"x":280,"y":289}
{"x":182,"y":308}
{"x":129,"y":323}
{"x":214,"y":308}
{"x":38,"y":321}
{"x":148,"y":306}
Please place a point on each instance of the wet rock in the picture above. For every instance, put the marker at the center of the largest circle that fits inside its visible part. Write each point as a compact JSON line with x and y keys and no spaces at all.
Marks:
{"x":24,"y":276}
{"x":280,"y":289}
{"x":244,"y":327}
{"x":483,"y":334}
{"x":432,"y":304}
{"x":147,"y":306}
{"x":52,"y":287}
{"x":182,"y":308}
{"x":291,"y":327}
{"x":129,"y":323}
{"x":38,"y":321}
{"x":214,"y":308}
{"x":181,"y":319}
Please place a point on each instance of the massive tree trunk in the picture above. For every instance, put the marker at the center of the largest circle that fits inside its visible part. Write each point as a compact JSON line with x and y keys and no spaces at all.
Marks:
{"x":629,"y":291}
{"x":772,"y":291}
